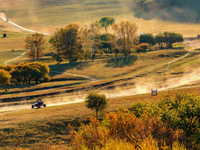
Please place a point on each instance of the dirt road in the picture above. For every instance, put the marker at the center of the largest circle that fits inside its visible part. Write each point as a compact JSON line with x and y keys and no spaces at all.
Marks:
{"x":140,"y":89}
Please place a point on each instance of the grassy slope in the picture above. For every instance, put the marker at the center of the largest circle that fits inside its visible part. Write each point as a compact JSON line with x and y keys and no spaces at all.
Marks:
{"x":113,"y":75}
{"x":36,"y":127}
{"x":48,"y":126}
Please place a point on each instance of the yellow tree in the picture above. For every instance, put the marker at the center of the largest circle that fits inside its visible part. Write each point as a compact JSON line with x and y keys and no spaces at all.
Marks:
{"x":126,"y":33}
{"x":4,"y":77}
{"x":35,"y":45}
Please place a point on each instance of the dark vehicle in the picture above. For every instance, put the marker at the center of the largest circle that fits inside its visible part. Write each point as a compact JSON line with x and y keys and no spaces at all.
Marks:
{"x":38,"y":104}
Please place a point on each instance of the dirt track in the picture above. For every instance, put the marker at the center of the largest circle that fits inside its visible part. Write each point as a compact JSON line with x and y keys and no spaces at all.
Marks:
{"x":139,"y":90}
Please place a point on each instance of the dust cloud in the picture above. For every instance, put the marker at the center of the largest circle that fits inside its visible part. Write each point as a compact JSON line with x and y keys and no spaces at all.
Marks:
{"x":177,"y":11}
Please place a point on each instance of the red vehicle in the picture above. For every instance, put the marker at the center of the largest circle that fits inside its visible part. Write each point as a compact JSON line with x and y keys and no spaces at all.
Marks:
{"x":38,"y":104}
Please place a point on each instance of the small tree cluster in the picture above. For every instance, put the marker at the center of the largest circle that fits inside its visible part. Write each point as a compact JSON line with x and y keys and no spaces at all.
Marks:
{"x":165,"y":39}
{"x":26,"y":72}
{"x":73,"y":42}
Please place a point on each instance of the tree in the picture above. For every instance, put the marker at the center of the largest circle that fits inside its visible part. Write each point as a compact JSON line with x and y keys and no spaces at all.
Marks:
{"x":4,"y":77}
{"x":26,"y":72}
{"x":87,"y":54}
{"x":39,"y":71}
{"x":101,"y":53}
{"x":182,"y":111}
{"x":105,"y":22}
{"x":116,"y":51}
{"x":93,"y":32}
{"x":96,"y":102}
{"x":159,"y":39}
{"x":168,"y":38}
{"x":147,"y":38}
{"x":144,"y":47}
{"x":67,"y":42}
{"x":126,"y":34}
{"x":179,"y":111}
{"x":171,"y":37}
{"x":35,"y":45}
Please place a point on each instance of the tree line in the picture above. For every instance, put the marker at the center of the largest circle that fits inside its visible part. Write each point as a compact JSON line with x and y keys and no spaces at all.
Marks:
{"x":24,"y":73}
{"x":161,"y":40}
{"x":73,"y":42}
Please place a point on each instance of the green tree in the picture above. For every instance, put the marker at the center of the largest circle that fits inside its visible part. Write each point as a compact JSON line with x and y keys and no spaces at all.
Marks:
{"x":159,"y":39}
{"x":147,"y":38}
{"x":67,"y":42}
{"x":179,"y":111}
{"x":35,"y":45}
{"x":4,"y":77}
{"x":105,"y":22}
{"x":116,"y":51}
{"x":171,"y":37}
{"x":126,"y":34}
{"x":96,"y":102}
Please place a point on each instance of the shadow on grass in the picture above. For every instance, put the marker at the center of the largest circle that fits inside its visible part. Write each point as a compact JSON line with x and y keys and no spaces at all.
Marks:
{"x":63,"y":67}
{"x":121,"y":61}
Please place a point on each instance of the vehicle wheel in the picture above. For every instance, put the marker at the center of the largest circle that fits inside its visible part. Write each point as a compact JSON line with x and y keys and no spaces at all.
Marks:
{"x":38,"y":106}
{"x":32,"y":106}
{"x":44,"y":105}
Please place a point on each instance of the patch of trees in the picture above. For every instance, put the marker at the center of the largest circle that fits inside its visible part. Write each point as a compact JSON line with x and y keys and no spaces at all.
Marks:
{"x":165,"y":39}
{"x":73,"y":43}
{"x":173,"y":122}
{"x":24,"y":73}
{"x":179,"y":112}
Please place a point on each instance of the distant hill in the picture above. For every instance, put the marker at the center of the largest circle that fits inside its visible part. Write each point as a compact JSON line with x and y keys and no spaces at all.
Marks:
{"x":173,"y":10}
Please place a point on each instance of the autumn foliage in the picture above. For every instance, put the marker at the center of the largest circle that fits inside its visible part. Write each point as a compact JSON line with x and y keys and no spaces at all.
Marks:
{"x":124,"y":128}
{"x":25,"y":73}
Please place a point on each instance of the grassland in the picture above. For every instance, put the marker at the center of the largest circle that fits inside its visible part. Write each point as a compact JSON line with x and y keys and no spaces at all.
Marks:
{"x":40,"y":128}
{"x":113,"y":74}
{"x":47,"y":15}
{"x":116,"y":77}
